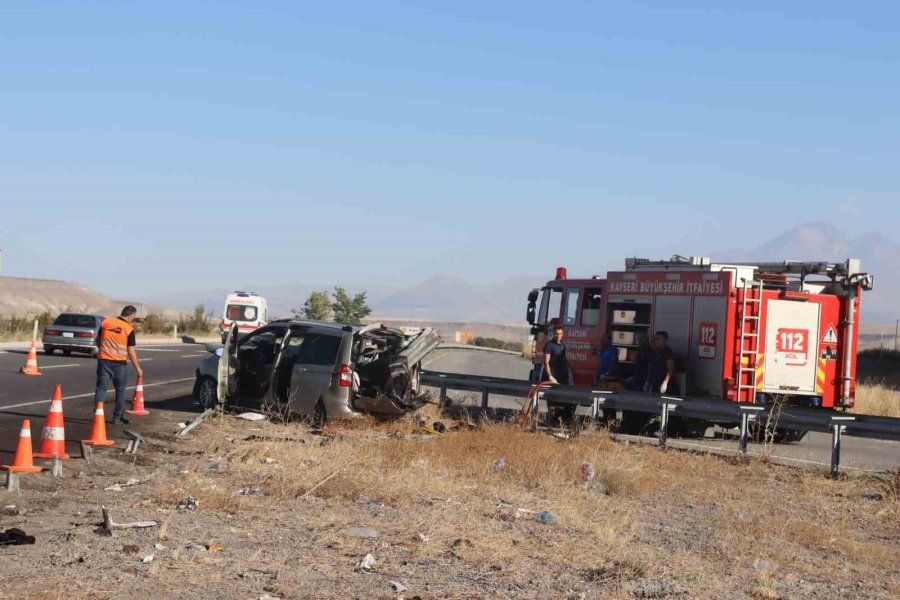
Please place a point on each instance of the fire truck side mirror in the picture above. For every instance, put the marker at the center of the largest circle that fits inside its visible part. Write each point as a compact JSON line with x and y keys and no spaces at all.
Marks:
{"x":532,"y":304}
{"x":867,"y":282}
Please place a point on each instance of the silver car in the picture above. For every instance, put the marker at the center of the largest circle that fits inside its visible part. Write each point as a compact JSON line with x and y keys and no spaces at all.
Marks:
{"x":318,"y":370}
{"x":72,"y":332}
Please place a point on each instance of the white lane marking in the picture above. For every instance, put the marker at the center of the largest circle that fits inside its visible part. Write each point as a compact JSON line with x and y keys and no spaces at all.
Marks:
{"x":139,"y":349}
{"x":189,"y":355}
{"x":130,"y":387}
{"x":61,"y":366}
{"x":143,"y":360}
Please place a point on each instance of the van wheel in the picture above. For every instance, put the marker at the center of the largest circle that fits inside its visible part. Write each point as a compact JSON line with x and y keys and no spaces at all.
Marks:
{"x":67,"y":353}
{"x":207,"y":394}
{"x":319,"y":417}
{"x":49,"y":351}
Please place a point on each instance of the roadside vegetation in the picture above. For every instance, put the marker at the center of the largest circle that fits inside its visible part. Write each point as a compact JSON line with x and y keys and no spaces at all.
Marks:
{"x":489,"y":342}
{"x":198,"y":322}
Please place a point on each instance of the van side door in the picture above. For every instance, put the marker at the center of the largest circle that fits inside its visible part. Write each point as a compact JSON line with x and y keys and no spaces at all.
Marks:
{"x":316,"y":365}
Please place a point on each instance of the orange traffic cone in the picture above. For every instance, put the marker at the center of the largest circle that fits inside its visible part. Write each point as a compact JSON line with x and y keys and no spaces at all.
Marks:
{"x":22,"y":461}
{"x":53,"y":439}
{"x":137,"y":403}
{"x":98,"y":434}
{"x":31,"y":367}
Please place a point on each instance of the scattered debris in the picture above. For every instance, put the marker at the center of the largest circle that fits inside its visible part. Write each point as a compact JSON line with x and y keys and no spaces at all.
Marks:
{"x":190,"y":426}
{"x":560,"y":435}
{"x":160,"y":548}
{"x":764,"y":565}
{"x":131,"y":549}
{"x":499,"y":464}
{"x":190,"y":503}
{"x":250,"y":491}
{"x":367,"y":563}
{"x":251,"y":416}
{"x":598,"y":487}
{"x":109,"y":525}
{"x":547,"y":517}
{"x":874,"y":496}
{"x":359,"y":532}
{"x":196,"y":548}
{"x":268,"y":461}
{"x":424,"y":538}
{"x":184,"y":472}
{"x":120,"y":486}
{"x":398,"y":587}
{"x":214,"y":548}
{"x":15,"y":537}
{"x":148,"y":559}
{"x":268,"y":597}
{"x":13,"y":510}
{"x":373,"y":502}
{"x":439,"y":427}
{"x":587,"y":472}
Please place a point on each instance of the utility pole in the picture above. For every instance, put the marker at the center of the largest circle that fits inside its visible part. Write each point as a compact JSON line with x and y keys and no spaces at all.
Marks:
{"x":896,"y":333}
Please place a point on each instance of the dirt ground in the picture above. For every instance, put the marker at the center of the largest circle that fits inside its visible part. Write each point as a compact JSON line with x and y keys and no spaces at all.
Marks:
{"x":389,"y":510}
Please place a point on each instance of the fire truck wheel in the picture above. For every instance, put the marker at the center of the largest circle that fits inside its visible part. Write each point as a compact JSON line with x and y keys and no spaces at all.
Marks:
{"x":634,"y":423}
{"x":788,"y":436}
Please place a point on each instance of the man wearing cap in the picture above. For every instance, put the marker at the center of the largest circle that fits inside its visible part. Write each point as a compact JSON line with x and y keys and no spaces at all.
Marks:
{"x":115,"y":347}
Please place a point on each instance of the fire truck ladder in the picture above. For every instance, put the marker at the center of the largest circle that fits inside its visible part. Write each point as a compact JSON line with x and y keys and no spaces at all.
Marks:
{"x":752,"y":303}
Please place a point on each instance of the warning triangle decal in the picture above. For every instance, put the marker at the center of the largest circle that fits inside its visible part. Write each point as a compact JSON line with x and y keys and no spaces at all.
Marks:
{"x":830,"y":336}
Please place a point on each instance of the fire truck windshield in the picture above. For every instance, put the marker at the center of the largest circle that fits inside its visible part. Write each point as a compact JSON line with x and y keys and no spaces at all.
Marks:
{"x":551,"y":302}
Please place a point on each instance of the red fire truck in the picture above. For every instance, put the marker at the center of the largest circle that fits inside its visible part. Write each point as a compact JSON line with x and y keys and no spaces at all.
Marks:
{"x":743,"y":332}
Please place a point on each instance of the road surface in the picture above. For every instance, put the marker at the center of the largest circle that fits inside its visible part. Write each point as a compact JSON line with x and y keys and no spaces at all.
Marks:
{"x":813,"y":451}
{"x":168,"y":376}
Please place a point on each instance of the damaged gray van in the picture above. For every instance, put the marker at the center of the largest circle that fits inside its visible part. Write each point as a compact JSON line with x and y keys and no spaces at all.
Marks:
{"x":319,"y":370}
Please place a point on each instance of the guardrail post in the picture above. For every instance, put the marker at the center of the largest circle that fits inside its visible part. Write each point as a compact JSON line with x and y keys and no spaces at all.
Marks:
{"x":484,"y":398}
{"x":748,"y":413}
{"x":443,"y":389}
{"x":836,"y":430}
{"x":664,"y":425}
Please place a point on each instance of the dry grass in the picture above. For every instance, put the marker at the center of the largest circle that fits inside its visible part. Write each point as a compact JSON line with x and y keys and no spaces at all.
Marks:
{"x":877,"y":398}
{"x":696,"y":520}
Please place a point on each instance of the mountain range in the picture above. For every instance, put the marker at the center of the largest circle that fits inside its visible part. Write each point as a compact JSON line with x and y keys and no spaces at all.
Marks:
{"x":445,"y":298}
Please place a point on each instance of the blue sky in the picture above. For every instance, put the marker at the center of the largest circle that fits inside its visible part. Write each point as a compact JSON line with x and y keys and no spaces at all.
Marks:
{"x":154,"y":147}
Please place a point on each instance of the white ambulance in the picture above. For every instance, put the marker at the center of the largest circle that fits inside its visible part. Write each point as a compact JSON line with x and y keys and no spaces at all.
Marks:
{"x":248,"y":309}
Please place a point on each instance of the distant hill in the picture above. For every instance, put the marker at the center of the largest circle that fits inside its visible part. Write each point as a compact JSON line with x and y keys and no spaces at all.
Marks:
{"x":823,"y":241}
{"x":21,"y":296}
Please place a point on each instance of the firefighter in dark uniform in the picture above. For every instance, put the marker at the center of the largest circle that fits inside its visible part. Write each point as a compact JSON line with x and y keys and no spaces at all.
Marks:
{"x":556,"y":370}
{"x":115,"y":347}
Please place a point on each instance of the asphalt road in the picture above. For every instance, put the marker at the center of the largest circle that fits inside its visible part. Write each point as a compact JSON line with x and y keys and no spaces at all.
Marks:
{"x":168,"y":377}
{"x":813,"y":451}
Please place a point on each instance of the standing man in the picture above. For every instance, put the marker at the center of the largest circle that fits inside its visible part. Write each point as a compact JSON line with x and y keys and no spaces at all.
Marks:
{"x":639,"y":381}
{"x":607,"y":359}
{"x":115,"y":347}
{"x":556,"y":370}
{"x":662,"y":367}
{"x":556,"y":365}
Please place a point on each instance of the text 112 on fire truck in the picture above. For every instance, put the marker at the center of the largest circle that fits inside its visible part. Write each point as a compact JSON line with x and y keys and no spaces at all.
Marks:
{"x":744,"y":332}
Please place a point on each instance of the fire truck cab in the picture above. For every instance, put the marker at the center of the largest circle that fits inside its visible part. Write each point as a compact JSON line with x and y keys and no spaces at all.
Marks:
{"x":743,"y":332}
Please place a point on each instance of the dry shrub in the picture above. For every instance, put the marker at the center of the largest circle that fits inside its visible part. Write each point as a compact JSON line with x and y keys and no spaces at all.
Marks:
{"x":876,"y":398}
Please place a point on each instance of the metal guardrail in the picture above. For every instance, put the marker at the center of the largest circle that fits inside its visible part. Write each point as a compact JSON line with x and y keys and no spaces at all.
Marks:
{"x":720,"y":411}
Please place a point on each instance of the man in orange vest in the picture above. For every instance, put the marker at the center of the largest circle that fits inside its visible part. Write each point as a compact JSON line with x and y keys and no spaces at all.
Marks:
{"x":115,"y":347}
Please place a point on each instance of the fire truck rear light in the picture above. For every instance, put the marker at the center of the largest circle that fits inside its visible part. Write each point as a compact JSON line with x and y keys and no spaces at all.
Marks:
{"x":346,"y":376}
{"x":561,"y":273}
{"x":85,"y":334}
{"x":53,"y":332}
